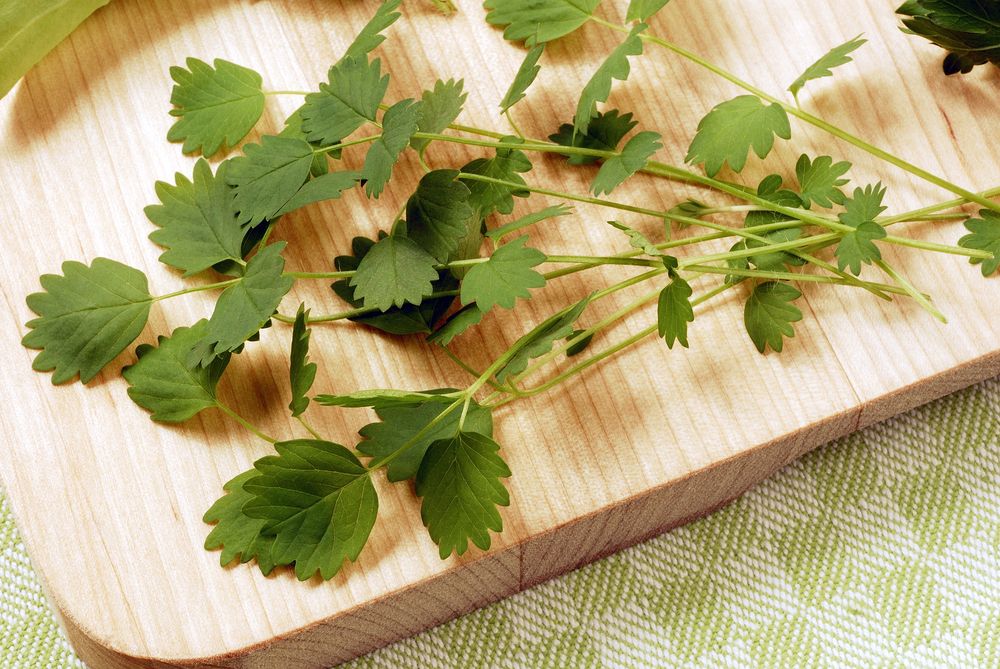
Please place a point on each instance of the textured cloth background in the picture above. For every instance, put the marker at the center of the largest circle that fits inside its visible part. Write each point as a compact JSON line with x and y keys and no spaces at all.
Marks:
{"x":879,"y":550}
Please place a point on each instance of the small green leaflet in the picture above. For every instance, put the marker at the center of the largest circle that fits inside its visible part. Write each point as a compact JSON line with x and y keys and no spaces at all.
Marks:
{"x":530,"y":219}
{"x":674,"y":311}
{"x":350,"y":97}
{"x":267,"y":176}
{"x":87,"y":316}
{"x":632,"y":158}
{"x":318,"y":502}
{"x":460,"y":482}
{"x":732,"y":128}
{"x":535,"y":21}
{"x":864,"y":206}
{"x":772,"y":260}
{"x":321,"y":161}
{"x":243,"y":308}
{"x":438,"y":213}
{"x":379,"y":398}
{"x":395,"y":271}
{"x":857,"y":247}
{"x":580,"y":345}
{"x":643,"y":10}
{"x":820,"y":180}
{"x":216,"y":106}
{"x":637,"y":240}
{"x":770,"y":188}
{"x":301,"y":372}
{"x":506,"y":276}
{"x":523,"y":79}
{"x":605,"y":131}
{"x":398,"y":125}
{"x":196,"y":220}
{"x":769,"y":314}
{"x":163,"y":383}
{"x":598,"y":88}
{"x":835,"y":57}
{"x":984,"y":236}
{"x":329,"y":186}
{"x":459,"y":322}
{"x":440,"y":107}
{"x":370,"y":36}
{"x":239,"y":536}
{"x":506,"y":165}
{"x":540,"y":340}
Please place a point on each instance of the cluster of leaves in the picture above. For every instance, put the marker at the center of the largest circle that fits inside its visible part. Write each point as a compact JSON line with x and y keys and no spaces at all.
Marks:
{"x":968,"y":29}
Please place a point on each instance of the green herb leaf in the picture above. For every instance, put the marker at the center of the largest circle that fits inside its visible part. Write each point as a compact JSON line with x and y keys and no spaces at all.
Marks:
{"x":301,"y":372}
{"x":506,"y":276}
{"x":398,"y":125}
{"x":632,"y":158}
{"x":769,"y":314}
{"x":604,"y":132}
{"x":835,"y":57}
{"x":460,"y":482}
{"x":770,"y":188}
{"x":350,"y":97}
{"x":440,"y":107}
{"x":643,"y":10}
{"x":378,"y":398}
{"x":540,"y":340}
{"x":536,"y":21}
{"x":530,"y":219}
{"x":395,"y":271}
{"x":984,"y":236}
{"x":268,"y":176}
{"x":400,"y":426}
{"x":217,"y":106}
{"x":370,"y":36}
{"x":637,"y":240}
{"x":163,"y":383}
{"x":819,"y":180}
{"x":968,"y":29}
{"x":732,"y":128}
{"x":674,"y":311}
{"x":615,"y":66}
{"x":196,"y":220}
{"x":579,"y":346}
{"x":459,"y":322}
{"x":321,"y":161}
{"x":774,"y":260}
{"x":87,"y":316}
{"x":438,"y":213}
{"x":864,"y":206}
{"x":329,"y":186}
{"x":318,"y":502}
{"x":858,"y":248}
{"x":507,"y":165}
{"x":239,"y":536}
{"x":523,"y":79}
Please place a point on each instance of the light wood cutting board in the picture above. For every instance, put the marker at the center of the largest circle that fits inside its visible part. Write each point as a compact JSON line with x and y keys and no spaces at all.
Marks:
{"x":110,"y":504}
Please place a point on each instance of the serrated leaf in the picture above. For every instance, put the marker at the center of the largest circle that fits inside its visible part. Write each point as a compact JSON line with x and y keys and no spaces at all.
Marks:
{"x":835,"y":57}
{"x":267,"y":176}
{"x":820,"y":180}
{"x":536,"y":21}
{"x":731,"y":129}
{"x":770,"y":188}
{"x":371,"y":35}
{"x":329,"y":186}
{"x":984,"y":236}
{"x":637,"y":240}
{"x":321,"y":160}
{"x":857,"y":248}
{"x":632,"y":158}
{"x":400,"y":426}
{"x":239,"y":536}
{"x":162,"y":382}
{"x":438,"y":213}
{"x":506,"y":276}
{"x":605,"y":131}
{"x":395,"y":271}
{"x":441,"y":106}
{"x":460,"y":482}
{"x":530,"y":219}
{"x":968,"y":29}
{"x":643,"y":10}
{"x":674,"y":311}
{"x":377,"y":398}
{"x":506,"y":165}
{"x":769,"y":314}
{"x":87,"y":316}
{"x":540,"y":340}
{"x":863,"y":206}
{"x":459,"y":322}
{"x":398,"y":125}
{"x":301,"y":372}
{"x":318,"y":502}
{"x":196,"y":220}
{"x":216,"y":106}
{"x":523,"y":79}
{"x":350,"y":97}
{"x":245,"y":307}
{"x":615,"y":66}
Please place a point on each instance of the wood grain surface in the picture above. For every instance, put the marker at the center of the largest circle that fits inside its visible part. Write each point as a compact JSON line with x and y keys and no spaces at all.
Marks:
{"x":110,"y":504}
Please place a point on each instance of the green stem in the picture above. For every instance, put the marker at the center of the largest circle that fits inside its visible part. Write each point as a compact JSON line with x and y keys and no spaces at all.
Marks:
{"x":309,"y":428}
{"x":344,"y":145}
{"x":244,"y":422}
{"x":196,"y":289}
{"x":911,"y":290}
{"x":389,"y":457}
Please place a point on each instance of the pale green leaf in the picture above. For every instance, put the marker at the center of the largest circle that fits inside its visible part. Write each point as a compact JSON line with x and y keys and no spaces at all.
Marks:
{"x":643,"y":10}
{"x":398,"y":125}
{"x":858,"y":248}
{"x":524,"y":78}
{"x":239,"y":536}
{"x":637,"y":240}
{"x":378,"y":398}
{"x":820,"y":180}
{"x":329,"y":186}
{"x":835,"y":57}
{"x":732,"y":128}
{"x":863,"y":206}
{"x":632,"y":158}
{"x":506,"y":276}
{"x":371,"y":35}
{"x":440,"y":107}
{"x":984,"y":235}
{"x":615,"y":66}
{"x":301,"y":372}
{"x":535,"y":21}
{"x":530,"y":219}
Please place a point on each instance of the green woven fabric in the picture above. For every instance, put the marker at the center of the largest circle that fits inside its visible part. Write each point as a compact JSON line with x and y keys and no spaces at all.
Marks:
{"x":879,"y":550}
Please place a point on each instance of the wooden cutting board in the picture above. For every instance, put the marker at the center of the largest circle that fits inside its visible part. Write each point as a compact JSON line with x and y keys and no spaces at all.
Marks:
{"x":110,"y":504}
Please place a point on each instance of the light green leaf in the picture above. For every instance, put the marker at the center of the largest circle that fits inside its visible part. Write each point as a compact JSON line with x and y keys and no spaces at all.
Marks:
{"x":268,"y":176}
{"x":350,"y":97}
{"x":217,"y":106}
{"x":395,"y":271}
{"x":540,"y":340}
{"x":398,"y":125}
{"x":637,"y":240}
{"x":239,"y":536}
{"x":440,"y":107}
{"x":523,"y":79}
{"x":329,"y":186}
{"x":506,"y":276}
{"x":87,"y":316}
{"x":819,"y":180}
{"x":732,"y":128}
{"x":769,"y":314}
{"x":163,"y":383}
{"x":615,"y":66}
{"x":460,"y":482}
{"x":371,"y":35}
{"x":301,"y":372}
{"x":674,"y":311}
{"x":643,"y":10}
{"x":632,"y":158}
{"x":984,"y":236}
{"x":318,"y":502}
{"x":459,"y":322}
{"x":535,"y":21}
{"x":438,"y":213}
{"x":378,"y":398}
{"x":196,"y":220}
{"x":857,"y":248}
{"x":506,"y":165}
{"x":321,"y":161}
{"x":835,"y":57}
{"x":530,"y":219}
{"x":605,"y":131}
{"x":864,"y":206}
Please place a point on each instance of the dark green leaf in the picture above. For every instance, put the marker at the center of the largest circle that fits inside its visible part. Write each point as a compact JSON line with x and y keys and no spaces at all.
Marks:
{"x":770,"y":188}
{"x":507,"y":165}
{"x":506,"y":276}
{"x":460,"y":321}
{"x":580,"y":345}
{"x":540,"y":340}
{"x":835,"y":57}
{"x":523,"y":79}
{"x":329,"y":186}
{"x":534,"y":21}
{"x":441,"y":107}
{"x":984,"y":236}
{"x":301,"y":372}
{"x":529,"y":220}
{"x":968,"y":29}
{"x":674,"y":311}
{"x":632,"y":158}
{"x":268,"y":176}
{"x":350,"y":97}
{"x":615,"y":66}
{"x":398,"y":125}
{"x":604,"y":133}
{"x":321,"y":160}
{"x":239,"y":536}
{"x":732,"y":128}
{"x":774,"y":260}
{"x":438,"y":213}
{"x":769,"y":314}
{"x":395,"y":271}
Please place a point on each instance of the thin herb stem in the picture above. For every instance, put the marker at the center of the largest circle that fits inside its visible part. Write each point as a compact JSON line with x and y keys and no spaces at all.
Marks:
{"x":196,"y":289}
{"x":244,"y":422}
{"x":309,"y":428}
